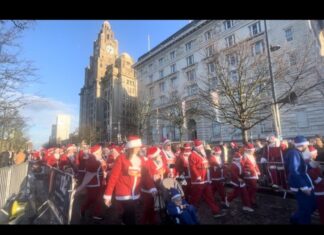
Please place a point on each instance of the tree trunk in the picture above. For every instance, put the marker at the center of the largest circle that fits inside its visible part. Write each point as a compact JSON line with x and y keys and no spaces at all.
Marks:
{"x":245,"y":137}
{"x":180,"y":135}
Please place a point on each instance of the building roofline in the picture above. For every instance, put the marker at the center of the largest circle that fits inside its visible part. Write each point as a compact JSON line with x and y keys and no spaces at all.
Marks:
{"x":174,"y":36}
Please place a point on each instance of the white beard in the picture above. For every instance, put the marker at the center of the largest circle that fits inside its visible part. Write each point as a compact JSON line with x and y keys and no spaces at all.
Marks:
{"x":203,"y":152}
{"x":57,"y":156}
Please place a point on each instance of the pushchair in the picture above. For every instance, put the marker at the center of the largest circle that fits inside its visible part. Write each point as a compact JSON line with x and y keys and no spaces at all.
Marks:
{"x":163,"y":197}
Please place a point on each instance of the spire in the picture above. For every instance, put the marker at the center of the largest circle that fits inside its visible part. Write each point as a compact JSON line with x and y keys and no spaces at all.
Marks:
{"x":106,"y":23}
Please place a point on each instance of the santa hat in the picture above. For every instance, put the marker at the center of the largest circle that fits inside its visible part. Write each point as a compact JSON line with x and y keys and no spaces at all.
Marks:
{"x":153,"y":152}
{"x":174,"y":193}
{"x":36,"y":154}
{"x":300,"y":141}
{"x":187,"y":147}
{"x":249,"y":147}
{"x":95,"y":148}
{"x":237,"y":156}
{"x":166,"y":141}
{"x":133,"y":142}
{"x":312,"y":149}
{"x":118,"y":149}
{"x":197,"y":143}
{"x":217,"y":150}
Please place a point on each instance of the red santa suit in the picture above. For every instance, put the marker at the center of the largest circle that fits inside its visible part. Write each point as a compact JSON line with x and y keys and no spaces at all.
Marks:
{"x":53,"y":160}
{"x":64,"y":162}
{"x":238,"y":182}
{"x":156,"y":171}
{"x":217,"y":173}
{"x":251,"y":173}
{"x":81,"y":159}
{"x":182,"y":167}
{"x":94,"y":187}
{"x":200,"y":180}
{"x":314,"y":171}
{"x":115,"y":152}
{"x":273,"y":154}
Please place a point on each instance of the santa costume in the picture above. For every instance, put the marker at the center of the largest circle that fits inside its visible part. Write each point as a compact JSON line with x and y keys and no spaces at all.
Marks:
{"x":170,"y":158}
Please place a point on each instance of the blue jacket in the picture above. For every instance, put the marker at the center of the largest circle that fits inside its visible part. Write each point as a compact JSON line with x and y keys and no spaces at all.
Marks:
{"x":297,"y":171}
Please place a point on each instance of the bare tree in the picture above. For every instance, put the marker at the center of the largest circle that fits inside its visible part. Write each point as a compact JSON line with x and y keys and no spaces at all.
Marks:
{"x":237,"y":89}
{"x":142,"y":115}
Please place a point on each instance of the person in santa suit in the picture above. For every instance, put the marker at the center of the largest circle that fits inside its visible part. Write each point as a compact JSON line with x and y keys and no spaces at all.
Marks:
{"x":273,"y":155}
{"x":177,"y":150}
{"x":251,"y":172}
{"x":300,"y":183}
{"x":54,"y":158}
{"x":182,"y":166}
{"x":125,"y":180}
{"x":35,"y":156}
{"x":81,"y":159}
{"x":200,"y":179}
{"x":170,"y":158}
{"x":218,"y":173}
{"x":314,"y":171}
{"x":93,"y":182}
{"x":157,"y":170}
{"x":239,"y":186}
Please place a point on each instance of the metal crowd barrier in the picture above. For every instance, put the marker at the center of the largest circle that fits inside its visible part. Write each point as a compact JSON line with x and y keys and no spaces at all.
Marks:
{"x":11,"y":179}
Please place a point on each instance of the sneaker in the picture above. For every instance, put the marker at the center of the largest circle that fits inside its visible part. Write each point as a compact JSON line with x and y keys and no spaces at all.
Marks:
{"x":275,"y":186}
{"x":246,"y":208}
{"x":97,"y":217}
{"x":221,"y":214}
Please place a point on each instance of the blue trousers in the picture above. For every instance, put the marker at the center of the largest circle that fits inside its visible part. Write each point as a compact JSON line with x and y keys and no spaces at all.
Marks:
{"x":306,"y":206}
{"x":189,"y":216}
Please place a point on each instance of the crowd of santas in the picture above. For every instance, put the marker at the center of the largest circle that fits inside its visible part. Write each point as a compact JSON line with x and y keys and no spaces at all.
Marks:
{"x":123,"y":175}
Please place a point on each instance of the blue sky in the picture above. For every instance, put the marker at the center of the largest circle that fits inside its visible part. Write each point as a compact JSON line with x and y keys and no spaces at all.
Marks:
{"x":60,"y":50}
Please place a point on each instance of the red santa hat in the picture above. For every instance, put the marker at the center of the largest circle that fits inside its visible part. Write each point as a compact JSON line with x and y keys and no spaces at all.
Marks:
{"x":187,"y":147}
{"x":237,"y":156}
{"x":249,"y":147}
{"x":217,"y":150}
{"x":118,"y":149}
{"x":70,"y":147}
{"x":198,"y":143}
{"x":153,"y":152}
{"x":312,"y":149}
{"x":133,"y":142}
{"x":95,"y":148}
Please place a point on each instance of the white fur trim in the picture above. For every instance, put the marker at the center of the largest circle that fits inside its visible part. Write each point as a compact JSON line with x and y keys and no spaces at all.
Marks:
{"x":155,"y":154}
{"x":128,"y":197}
{"x":305,"y":188}
{"x":319,"y":179}
{"x":319,"y":193}
{"x":302,"y":143}
{"x":106,"y":197}
{"x":151,"y":190}
{"x":134,"y":144}
{"x":177,"y":195}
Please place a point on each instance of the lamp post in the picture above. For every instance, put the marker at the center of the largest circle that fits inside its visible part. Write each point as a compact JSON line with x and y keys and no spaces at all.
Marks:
{"x":276,"y":113}
{"x":109,"y":127}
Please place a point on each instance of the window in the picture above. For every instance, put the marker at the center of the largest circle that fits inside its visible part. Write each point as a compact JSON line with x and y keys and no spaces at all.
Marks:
{"x":191,"y":75}
{"x":228,"y":24}
{"x":150,"y":78}
{"x":162,"y":86}
{"x":230,"y":40}
{"x":213,"y":81}
{"x":174,"y":82}
{"x":162,"y":99}
{"x":188,"y":46}
{"x":255,"y":28}
{"x":234,"y":75}
{"x":209,"y":51}
{"x":231,"y":59}
{"x":150,"y":67}
{"x":208,"y":35}
{"x":289,"y":34}
{"x":292,"y":59}
{"x":216,"y":127}
{"x":172,"y":55}
{"x":190,"y":60}
{"x":161,"y":73}
{"x":258,"y":48}
{"x":302,"y":119}
{"x":211,"y":68}
{"x":192,"y":89}
{"x":161,"y":61}
{"x":173,"y":68}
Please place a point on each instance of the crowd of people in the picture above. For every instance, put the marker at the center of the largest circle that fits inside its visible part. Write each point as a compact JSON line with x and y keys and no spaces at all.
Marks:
{"x":128,"y":173}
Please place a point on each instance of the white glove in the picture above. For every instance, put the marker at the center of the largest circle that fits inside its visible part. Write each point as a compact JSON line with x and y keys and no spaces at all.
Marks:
{"x":263,"y":160}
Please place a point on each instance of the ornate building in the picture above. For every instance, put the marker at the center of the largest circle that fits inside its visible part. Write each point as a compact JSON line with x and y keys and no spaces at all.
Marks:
{"x":109,"y":91}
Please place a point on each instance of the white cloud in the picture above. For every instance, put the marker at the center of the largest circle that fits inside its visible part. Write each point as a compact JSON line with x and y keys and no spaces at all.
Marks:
{"x":41,"y":114}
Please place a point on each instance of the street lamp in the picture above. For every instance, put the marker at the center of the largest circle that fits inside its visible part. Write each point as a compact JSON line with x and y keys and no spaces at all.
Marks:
{"x":276,"y":113}
{"x":109,"y":107}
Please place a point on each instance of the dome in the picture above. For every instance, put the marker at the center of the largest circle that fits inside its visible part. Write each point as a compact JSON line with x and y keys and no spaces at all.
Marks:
{"x":126,"y":56}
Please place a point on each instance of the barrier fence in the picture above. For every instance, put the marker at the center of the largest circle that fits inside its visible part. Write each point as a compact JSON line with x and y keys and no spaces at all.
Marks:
{"x":11,"y":179}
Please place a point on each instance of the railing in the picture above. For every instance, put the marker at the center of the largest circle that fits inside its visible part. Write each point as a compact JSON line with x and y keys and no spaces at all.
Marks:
{"x":11,"y":179}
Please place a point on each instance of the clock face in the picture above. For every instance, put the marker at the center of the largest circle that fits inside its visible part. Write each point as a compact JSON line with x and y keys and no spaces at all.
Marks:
{"x":110,"y":49}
